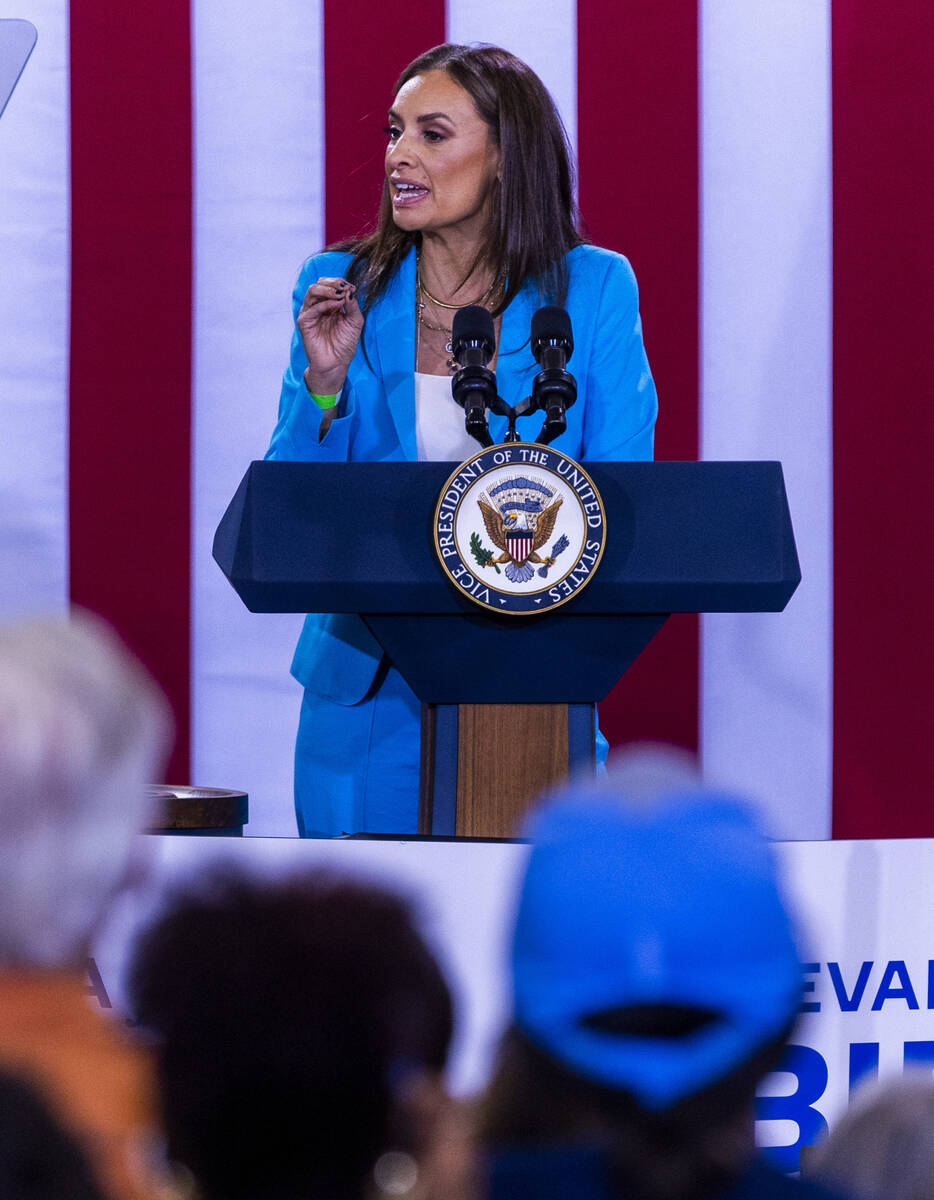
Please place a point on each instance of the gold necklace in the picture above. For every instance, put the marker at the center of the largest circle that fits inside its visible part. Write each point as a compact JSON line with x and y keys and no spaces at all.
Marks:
{"x":423,"y":322}
{"x":420,"y":308}
{"x":441,"y":304}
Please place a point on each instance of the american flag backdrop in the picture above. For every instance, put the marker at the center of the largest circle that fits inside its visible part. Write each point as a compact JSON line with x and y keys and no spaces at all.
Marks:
{"x":766,"y":165}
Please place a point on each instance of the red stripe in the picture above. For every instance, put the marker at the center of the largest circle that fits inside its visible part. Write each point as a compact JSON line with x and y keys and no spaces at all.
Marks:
{"x":639,"y":193}
{"x":130,"y":371}
{"x":365,"y":50}
{"x":883,"y":349}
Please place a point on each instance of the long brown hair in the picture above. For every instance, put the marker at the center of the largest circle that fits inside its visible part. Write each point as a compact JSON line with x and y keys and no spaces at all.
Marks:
{"x":689,"y":1151}
{"x":534,"y":219}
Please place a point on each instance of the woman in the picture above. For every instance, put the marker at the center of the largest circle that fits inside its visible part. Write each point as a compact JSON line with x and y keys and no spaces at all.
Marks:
{"x":477,"y":207}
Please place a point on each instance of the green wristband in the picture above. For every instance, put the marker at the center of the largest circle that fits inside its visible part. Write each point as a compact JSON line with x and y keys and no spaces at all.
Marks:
{"x":324,"y":401}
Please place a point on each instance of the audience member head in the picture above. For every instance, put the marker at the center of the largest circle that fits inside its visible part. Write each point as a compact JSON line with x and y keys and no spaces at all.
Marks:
{"x":655,"y":979}
{"x":296,"y":1023}
{"x":83,"y":732}
{"x":882,"y":1148}
{"x":39,"y":1160}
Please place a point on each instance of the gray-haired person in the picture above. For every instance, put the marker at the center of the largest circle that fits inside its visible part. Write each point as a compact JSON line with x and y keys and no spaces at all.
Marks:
{"x":83,"y":731}
{"x":882,"y":1148}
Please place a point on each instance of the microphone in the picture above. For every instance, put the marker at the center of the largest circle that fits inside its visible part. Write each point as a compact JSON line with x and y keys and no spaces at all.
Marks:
{"x":473,"y":341}
{"x":553,"y":389}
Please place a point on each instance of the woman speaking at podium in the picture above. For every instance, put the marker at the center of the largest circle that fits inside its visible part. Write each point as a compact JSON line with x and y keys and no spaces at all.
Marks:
{"x":477,"y":208}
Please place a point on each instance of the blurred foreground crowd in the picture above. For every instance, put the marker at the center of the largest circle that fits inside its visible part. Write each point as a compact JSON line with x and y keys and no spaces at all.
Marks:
{"x":289,"y":1038}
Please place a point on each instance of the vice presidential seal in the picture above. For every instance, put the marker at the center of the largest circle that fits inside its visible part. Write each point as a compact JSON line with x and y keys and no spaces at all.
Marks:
{"x":520,"y":528}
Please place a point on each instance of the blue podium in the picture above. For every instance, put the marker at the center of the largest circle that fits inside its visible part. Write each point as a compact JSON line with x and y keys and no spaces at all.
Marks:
{"x":508,"y":702}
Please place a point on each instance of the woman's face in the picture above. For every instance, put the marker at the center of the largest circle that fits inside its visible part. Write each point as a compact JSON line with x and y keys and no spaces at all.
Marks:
{"x":441,"y":161}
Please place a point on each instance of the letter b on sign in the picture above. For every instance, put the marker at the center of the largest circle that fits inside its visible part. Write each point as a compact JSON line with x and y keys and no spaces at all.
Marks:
{"x":810,"y":1072}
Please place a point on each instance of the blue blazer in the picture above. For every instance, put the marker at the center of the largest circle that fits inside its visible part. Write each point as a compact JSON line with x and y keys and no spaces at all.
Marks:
{"x":613,"y":419}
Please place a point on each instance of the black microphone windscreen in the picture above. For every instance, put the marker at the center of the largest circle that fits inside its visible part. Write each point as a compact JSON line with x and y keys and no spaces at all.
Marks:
{"x":473,"y":324}
{"x":552,"y":324}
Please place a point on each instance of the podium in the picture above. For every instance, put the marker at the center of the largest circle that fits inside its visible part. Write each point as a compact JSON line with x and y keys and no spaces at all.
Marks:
{"x":508,"y":702}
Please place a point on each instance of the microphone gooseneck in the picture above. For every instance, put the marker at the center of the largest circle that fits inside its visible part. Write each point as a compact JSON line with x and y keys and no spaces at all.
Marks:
{"x":553,"y":389}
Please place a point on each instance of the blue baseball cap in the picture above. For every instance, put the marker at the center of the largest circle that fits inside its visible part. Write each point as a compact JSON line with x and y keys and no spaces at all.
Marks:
{"x":675,"y":903}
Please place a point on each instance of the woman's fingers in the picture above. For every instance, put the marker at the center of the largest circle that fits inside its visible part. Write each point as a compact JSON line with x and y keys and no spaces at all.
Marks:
{"x":330,"y":301}
{"x":335,"y":282}
{"x":315,"y":310}
{"x":329,"y":292}
{"x":329,"y":322}
{"x":351,"y":307}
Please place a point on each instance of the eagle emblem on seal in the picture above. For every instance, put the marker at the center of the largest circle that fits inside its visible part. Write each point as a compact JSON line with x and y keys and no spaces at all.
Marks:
{"x":519,"y":515}
{"x":518,"y":529}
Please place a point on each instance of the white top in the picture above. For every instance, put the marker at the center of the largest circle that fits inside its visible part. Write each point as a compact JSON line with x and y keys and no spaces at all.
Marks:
{"x":439,"y":422}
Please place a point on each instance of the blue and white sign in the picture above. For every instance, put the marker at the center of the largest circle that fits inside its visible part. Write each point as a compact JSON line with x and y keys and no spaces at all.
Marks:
{"x":520,"y":528}
{"x":865,"y":910}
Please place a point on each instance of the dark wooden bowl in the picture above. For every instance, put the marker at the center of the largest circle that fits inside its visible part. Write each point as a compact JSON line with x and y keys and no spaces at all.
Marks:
{"x":212,"y":811}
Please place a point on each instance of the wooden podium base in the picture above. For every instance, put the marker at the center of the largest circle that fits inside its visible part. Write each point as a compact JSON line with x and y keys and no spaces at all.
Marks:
{"x":484,"y":765}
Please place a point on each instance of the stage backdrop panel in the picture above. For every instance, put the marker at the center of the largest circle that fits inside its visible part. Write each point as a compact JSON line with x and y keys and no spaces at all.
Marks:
{"x":34,"y":325}
{"x":148,"y":250}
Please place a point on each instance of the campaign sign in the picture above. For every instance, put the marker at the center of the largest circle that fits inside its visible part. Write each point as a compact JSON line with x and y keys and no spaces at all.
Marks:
{"x":864,"y":912}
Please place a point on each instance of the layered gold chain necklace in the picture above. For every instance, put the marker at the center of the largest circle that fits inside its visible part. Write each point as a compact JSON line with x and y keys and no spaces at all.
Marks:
{"x":422,"y":293}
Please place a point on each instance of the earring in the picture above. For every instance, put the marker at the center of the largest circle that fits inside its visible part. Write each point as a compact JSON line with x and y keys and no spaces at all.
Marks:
{"x":395,"y":1173}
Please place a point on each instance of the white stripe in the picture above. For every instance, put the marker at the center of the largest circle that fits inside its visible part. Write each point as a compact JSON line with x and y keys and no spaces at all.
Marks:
{"x":259,"y":154}
{"x":34,"y":300}
{"x":542,"y":35}
{"x":766,"y":279}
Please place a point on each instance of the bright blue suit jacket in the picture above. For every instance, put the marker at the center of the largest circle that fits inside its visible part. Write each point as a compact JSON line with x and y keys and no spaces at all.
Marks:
{"x":613,"y":419}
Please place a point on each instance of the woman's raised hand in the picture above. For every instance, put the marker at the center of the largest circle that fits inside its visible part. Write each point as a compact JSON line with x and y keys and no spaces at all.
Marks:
{"x":330,"y":323}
